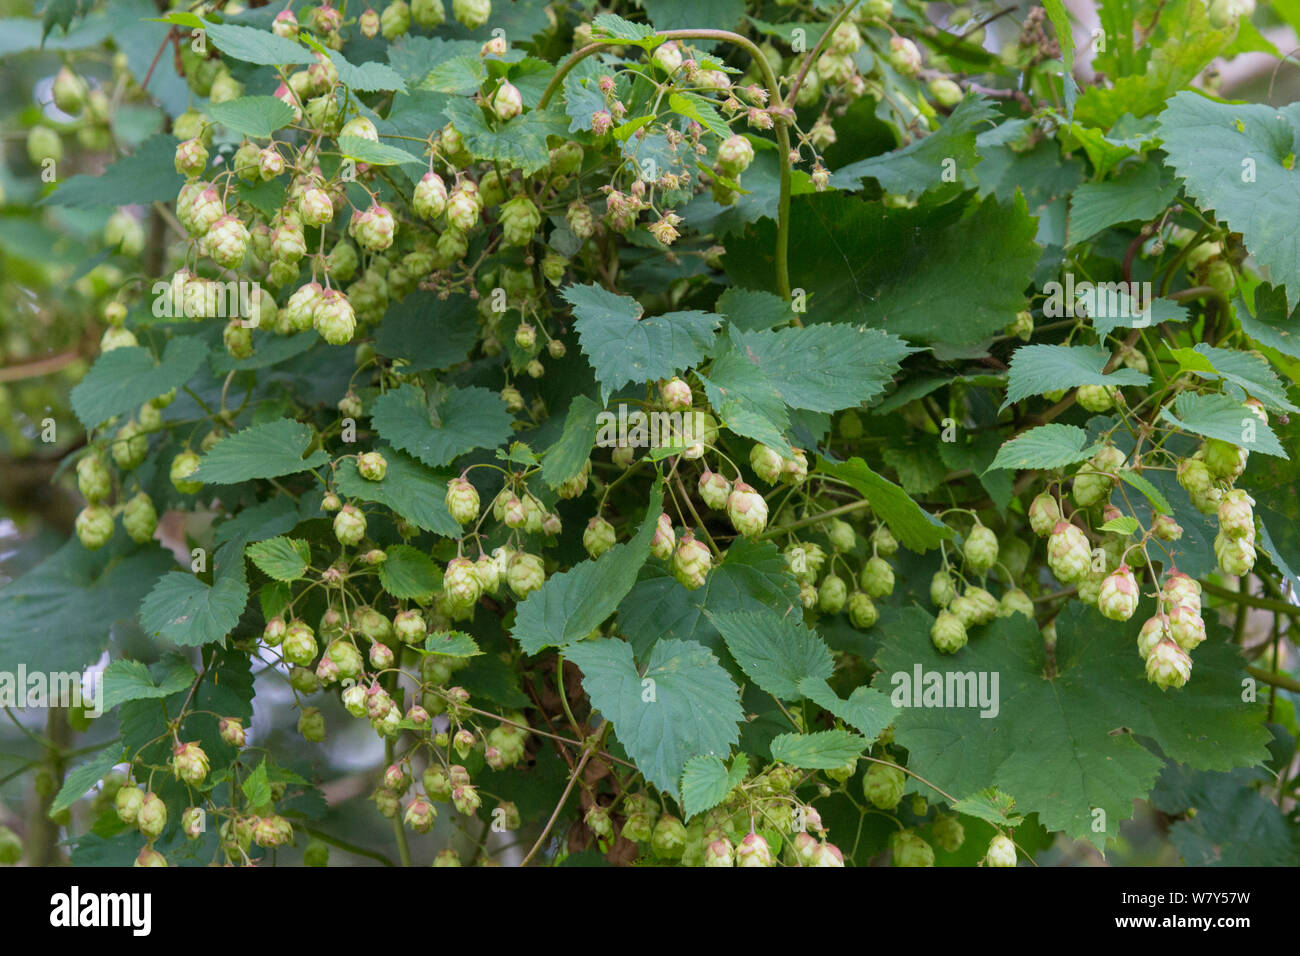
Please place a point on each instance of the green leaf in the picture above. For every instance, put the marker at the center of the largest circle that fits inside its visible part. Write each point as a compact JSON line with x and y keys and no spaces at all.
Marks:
{"x":131,"y":680}
{"x":1270,"y":321}
{"x":1248,"y":371}
{"x":775,"y":652}
{"x":866,"y":710}
{"x":1225,"y":418}
{"x":452,"y":644}
{"x":696,"y":107}
{"x":1123,"y":525}
{"x":409,"y":488}
{"x":914,"y":527}
{"x":268,"y":450}
{"x":79,"y":781}
{"x":675,"y":15}
{"x":376,"y":154}
{"x":58,"y":615}
{"x":619,"y":28}
{"x":624,"y":347}
{"x":926,"y":274}
{"x":992,"y":806}
{"x":923,"y":164}
{"x":582,"y":101}
{"x":256,"y":787}
{"x":188,"y":612}
{"x":706,"y":781}
{"x":746,"y":401}
{"x":1182,"y":46}
{"x":1209,"y":142}
{"x":1045,"y":446}
{"x":571,"y":604}
{"x":520,"y":142}
{"x":466,"y":419}
{"x":1038,"y":369}
{"x":1066,"y":744}
{"x":1139,"y":193}
{"x":1060,"y":18}
{"x":147,"y":175}
{"x":751,"y":577}
{"x":1233,"y":824}
{"x":280,"y":558}
{"x":256,"y":46}
{"x":753,"y":311}
{"x":824,"y":368}
{"x":408,"y":573}
{"x":428,"y":332}
{"x":123,"y":379}
{"x":684,"y":705}
{"x":256,"y":116}
{"x":565,"y":458}
{"x":823,"y":750}
{"x":1152,"y":493}
{"x":369,"y":77}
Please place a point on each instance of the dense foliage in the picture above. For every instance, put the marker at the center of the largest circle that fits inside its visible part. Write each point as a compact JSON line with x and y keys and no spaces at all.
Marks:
{"x":723,"y":433}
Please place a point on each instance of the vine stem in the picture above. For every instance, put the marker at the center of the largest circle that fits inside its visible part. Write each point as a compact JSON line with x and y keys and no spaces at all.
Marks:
{"x":399,"y":832}
{"x":1274,"y":680}
{"x":568,"y":789}
{"x":817,"y":518}
{"x":348,"y":847}
{"x":774,"y":97}
{"x":1241,"y":597}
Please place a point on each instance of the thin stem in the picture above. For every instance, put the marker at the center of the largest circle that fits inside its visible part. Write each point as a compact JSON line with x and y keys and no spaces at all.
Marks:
{"x":399,"y":832}
{"x":1281,"y":607}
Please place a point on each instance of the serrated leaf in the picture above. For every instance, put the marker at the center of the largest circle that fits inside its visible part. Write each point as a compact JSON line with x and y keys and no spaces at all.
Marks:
{"x":866,"y":710}
{"x":565,"y":458}
{"x":914,"y":527}
{"x":621,"y":29}
{"x":1152,"y":493}
{"x":79,"y":781}
{"x":280,"y":558}
{"x":1037,"y":369}
{"x":256,"y":46}
{"x":923,"y":164}
{"x":1270,"y":321}
{"x":184,"y":610}
{"x":1248,"y":371}
{"x":775,"y":652}
{"x":753,"y":311}
{"x":409,"y":489}
{"x":582,"y":101}
{"x":147,"y":175}
{"x":467,"y":418}
{"x":689,"y":708}
{"x":1123,"y":525}
{"x":706,"y":781}
{"x":992,"y":806}
{"x":1225,"y":418}
{"x":125,"y":680}
{"x":256,"y":116}
{"x":376,"y":154}
{"x":699,"y":109}
{"x":747,"y":403}
{"x":452,"y":644}
{"x":268,"y":450}
{"x":408,"y":573}
{"x":1139,"y":193}
{"x":823,"y":750}
{"x":623,"y":346}
{"x":1233,"y":823}
{"x":571,"y":604}
{"x":1067,"y":744}
{"x":123,"y":379}
{"x":369,"y":77}
{"x":1045,"y":446}
{"x":1208,"y":142}
{"x":58,"y":615}
{"x":925,"y":274}
{"x":256,"y":787}
{"x":752,"y":576}
{"x":428,"y":332}
{"x":520,"y":142}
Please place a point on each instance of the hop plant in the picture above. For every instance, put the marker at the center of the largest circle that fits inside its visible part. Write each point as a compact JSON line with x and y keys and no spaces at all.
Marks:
{"x":862,"y":611}
{"x":1068,"y":554}
{"x":462,"y":501}
{"x":746,"y":510}
{"x":883,"y":785}
{"x":1168,"y":665}
{"x":664,"y":542}
{"x":140,"y":518}
{"x":948,"y":633}
{"x":520,"y":218}
{"x":1095,"y":398}
{"x":349,"y":526}
{"x":942,"y":590}
{"x":1118,"y":596}
{"x":691,"y":561}
{"x":832,"y":594}
{"x":877,"y":578}
{"x":981,"y":549}
{"x":1001,"y":852}
{"x":599,"y":536}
